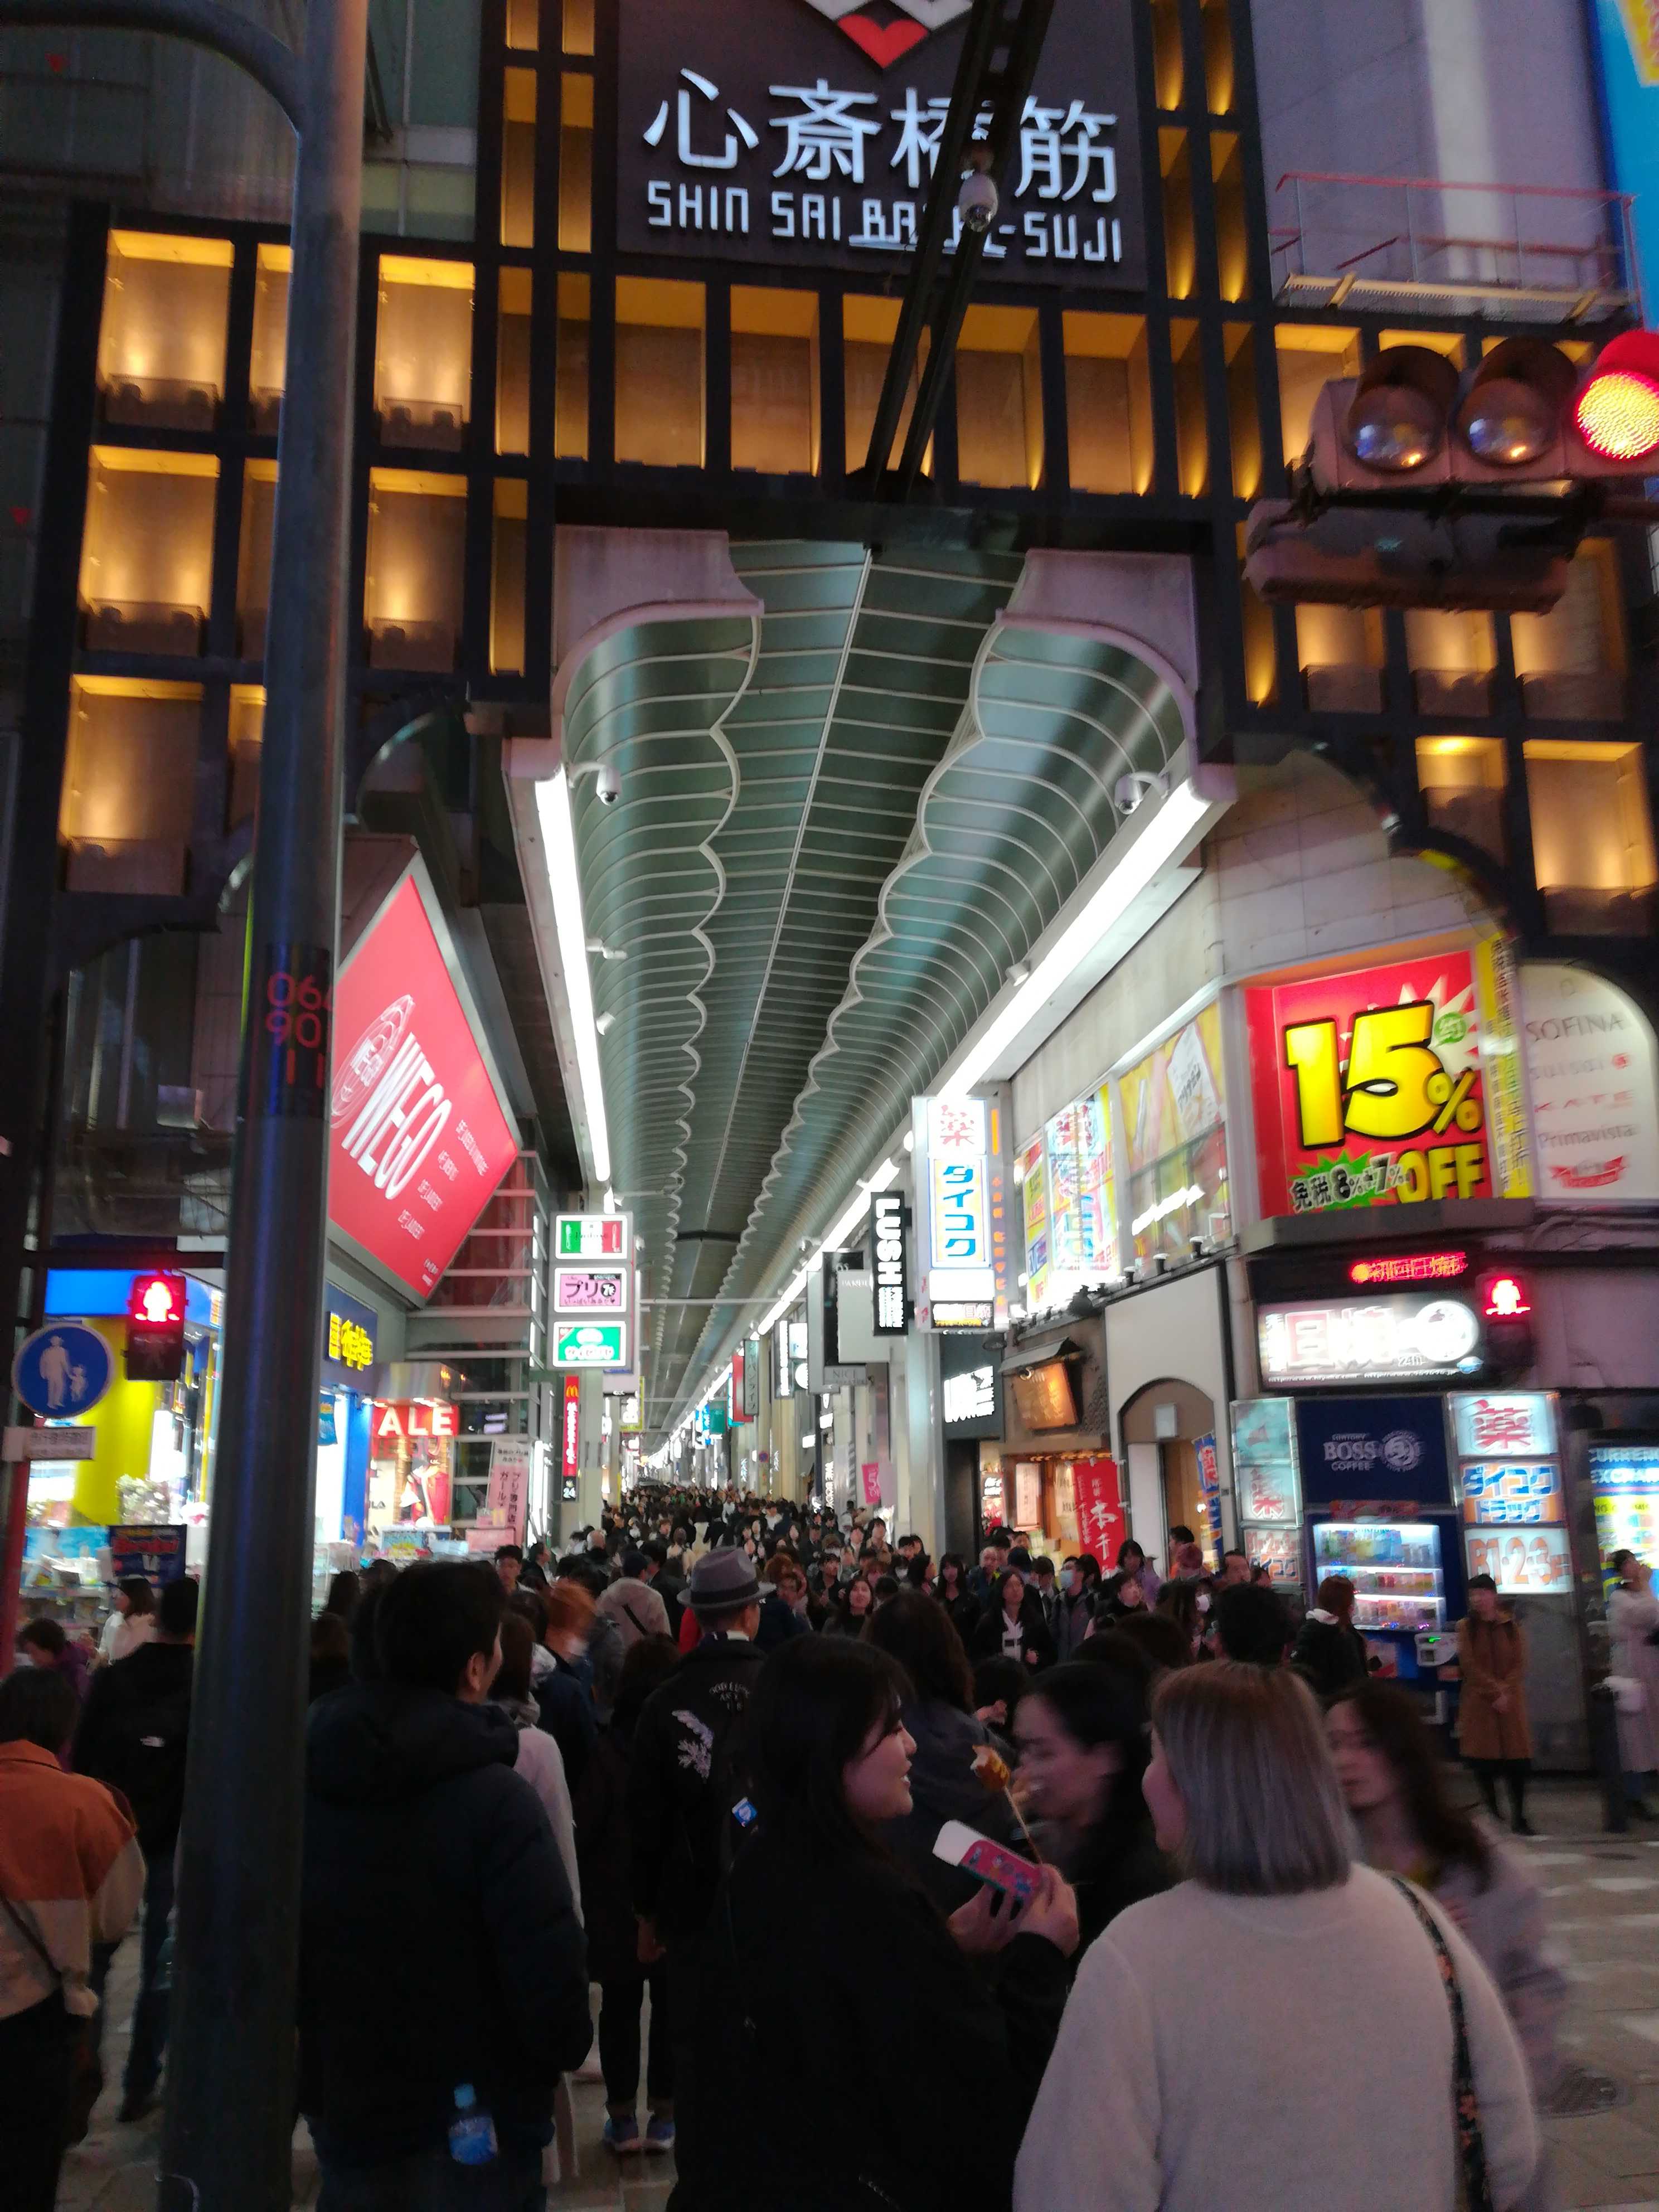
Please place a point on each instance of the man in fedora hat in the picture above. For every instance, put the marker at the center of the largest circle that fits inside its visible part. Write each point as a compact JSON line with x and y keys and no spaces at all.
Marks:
{"x":688,"y":1774}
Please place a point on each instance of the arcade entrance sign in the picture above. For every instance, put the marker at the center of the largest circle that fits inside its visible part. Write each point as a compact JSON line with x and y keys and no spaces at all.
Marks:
{"x":808,"y":141}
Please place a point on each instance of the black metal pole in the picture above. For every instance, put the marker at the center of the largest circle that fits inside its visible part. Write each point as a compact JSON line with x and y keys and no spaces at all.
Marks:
{"x":230,"y":2095}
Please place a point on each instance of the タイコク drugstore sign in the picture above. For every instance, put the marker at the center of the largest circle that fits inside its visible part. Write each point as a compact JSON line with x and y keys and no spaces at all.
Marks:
{"x":418,"y":1138}
{"x":1387,"y":1087}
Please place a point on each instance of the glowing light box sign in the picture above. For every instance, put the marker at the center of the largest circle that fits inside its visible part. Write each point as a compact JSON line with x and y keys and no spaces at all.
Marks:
{"x":419,"y":1134}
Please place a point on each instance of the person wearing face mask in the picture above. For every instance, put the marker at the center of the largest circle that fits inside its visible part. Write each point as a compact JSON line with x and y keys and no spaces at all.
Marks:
{"x":562,"y":1697}
{"x":948,"y":2059}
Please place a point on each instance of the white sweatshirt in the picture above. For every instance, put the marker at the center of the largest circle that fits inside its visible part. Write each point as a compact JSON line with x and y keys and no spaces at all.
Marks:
{"x":1271,"y":2054}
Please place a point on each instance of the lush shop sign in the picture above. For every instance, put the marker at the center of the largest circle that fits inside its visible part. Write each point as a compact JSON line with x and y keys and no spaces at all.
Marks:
{"x":1388,"y":1085}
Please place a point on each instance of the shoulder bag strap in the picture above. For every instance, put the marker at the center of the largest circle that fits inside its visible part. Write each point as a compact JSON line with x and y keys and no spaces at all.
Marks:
{"x":33,"y":1940}
{"x":1475,"y":2188}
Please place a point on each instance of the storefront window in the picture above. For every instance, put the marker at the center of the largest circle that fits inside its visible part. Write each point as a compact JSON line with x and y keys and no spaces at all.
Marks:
{"x":161,"y":342}
{"x":1592,"y":837}
{"x":1108,"y":403}
{"x":1174,"y":1106}
{"x":1461,"y":781}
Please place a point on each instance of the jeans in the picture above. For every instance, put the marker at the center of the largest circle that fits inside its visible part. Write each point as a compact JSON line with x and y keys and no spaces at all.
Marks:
{"x":37,"y":2072}
{"x":149,"y":2015}
{"x":431,"y":2181}
{"x":619,"y":2041}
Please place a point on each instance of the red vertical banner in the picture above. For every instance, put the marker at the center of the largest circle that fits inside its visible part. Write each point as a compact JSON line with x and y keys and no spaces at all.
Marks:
{"x":871,"y":1472}
{"x":1100,"y":1519}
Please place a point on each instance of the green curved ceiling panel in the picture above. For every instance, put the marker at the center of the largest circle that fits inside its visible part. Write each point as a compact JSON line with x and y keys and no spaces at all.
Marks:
{"x":835,"y":838}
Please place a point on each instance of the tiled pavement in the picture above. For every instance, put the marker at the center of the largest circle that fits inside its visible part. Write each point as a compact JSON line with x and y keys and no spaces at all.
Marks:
{"x":1604,"y":1895}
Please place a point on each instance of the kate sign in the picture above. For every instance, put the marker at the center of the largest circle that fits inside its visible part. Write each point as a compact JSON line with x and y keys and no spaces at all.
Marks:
{"x":419,"y":1136}
{"x":804,"y":133}
{"x":1387,"y":1087}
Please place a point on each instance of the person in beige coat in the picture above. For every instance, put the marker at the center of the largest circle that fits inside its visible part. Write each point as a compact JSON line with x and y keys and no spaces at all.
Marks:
{"x":1319,"y":2065}
{"x":1632,"y":1619}
{"x":1492,"y":1729}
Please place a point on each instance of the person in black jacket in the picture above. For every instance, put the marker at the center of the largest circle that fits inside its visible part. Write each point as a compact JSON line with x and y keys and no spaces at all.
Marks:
{"x":1012,"y":1626}
{"x":1084,"y":1744}
{"x":134,"y":1734}
{"x":562,"y":1697}
{"x":952,"y":1592}
{"x":689,"y":1773}
{"x":416,"y":1820}
{"x":613,"y":1961}
{"x":949,"y":2064}
{"x":1329,"y":1652}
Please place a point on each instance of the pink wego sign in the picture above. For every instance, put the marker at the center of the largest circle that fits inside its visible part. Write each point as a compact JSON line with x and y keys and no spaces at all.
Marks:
{"x":418,"y":1139}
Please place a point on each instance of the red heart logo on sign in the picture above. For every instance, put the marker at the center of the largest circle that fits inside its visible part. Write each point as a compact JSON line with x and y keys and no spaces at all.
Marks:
{"x":884,"y":47}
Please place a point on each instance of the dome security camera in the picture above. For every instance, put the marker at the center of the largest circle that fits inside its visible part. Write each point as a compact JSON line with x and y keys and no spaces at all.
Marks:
{"x":976,"y":202}
{"x":607,"y":783}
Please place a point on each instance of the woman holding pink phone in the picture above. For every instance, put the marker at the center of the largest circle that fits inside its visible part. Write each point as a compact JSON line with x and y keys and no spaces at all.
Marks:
{"x":830,"y":1761}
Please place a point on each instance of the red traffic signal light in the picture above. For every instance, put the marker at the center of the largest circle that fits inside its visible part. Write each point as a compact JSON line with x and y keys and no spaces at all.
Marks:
{"x":155,"y":1328}
{"x":1616,"y":410}
{"x":157,"y":1301}
{"x":1504,"y":1297}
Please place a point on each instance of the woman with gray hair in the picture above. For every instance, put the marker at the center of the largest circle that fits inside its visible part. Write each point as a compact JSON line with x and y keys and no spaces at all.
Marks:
{"x":1212,"y":2052}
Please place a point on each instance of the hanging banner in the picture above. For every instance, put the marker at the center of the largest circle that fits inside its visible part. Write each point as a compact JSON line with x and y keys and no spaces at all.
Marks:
{"x":1100,"y":1521}
{"x":1594,"y":1082}
{"x":1034,"y":1192}
{"x":1371,"y":1089}
{"x":508,"y":1496}
{"x":1175,"y":1139}
{"x":1209,"y":1480}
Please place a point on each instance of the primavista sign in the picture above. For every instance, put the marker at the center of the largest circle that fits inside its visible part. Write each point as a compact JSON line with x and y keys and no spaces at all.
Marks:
{"x":804,"y":133}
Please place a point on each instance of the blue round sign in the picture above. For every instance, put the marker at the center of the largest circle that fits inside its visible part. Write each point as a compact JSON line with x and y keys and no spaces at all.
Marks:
{"x":63,"y":1370}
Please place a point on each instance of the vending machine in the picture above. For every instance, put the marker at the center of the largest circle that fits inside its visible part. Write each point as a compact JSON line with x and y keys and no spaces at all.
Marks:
{"x":1376,"y":1485}
{"x":1625,"y":1486}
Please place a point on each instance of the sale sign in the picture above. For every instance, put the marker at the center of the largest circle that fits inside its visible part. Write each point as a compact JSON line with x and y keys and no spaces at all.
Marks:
{"x":418,"y":1139}
{"x":1371,"y":1088}
{"x":1100,"y":1522}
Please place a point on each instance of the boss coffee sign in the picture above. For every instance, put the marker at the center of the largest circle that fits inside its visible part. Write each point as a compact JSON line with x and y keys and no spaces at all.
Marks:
{"x":806,"y":133}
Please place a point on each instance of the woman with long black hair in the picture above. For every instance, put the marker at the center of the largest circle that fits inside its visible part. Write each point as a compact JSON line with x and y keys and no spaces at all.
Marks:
{"x":1083,"y":1748}
{"x":947,"y":2066}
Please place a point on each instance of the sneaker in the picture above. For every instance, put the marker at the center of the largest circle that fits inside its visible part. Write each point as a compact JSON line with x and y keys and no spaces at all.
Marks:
{"x":659,"y":2135}
{"x":621,"y":2135}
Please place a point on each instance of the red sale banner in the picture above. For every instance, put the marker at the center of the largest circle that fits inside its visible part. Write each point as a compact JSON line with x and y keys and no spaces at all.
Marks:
{"x":1370,"y":1088}
{"x":418,"y":1140}
{"x":1100,"y":1521}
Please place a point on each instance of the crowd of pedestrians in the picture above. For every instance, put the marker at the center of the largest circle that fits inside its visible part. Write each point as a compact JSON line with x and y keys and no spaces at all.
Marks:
{"x":1075,"y":1865}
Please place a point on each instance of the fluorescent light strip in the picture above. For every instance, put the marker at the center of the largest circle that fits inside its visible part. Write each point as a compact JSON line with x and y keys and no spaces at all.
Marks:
{"x":558,"y":834}
{"x":1178,"y":818}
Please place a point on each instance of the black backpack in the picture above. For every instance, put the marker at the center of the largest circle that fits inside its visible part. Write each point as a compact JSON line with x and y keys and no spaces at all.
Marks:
{"x":143,"y":1754}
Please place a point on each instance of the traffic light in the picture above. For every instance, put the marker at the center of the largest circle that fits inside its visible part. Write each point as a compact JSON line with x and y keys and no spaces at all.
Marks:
{"x":155,"y":1329}
{"x":1506,"y":1309}
{"x":1407,"y":494}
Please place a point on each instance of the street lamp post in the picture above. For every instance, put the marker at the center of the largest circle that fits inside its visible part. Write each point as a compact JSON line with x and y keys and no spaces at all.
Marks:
{"x":230,"y":2097}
